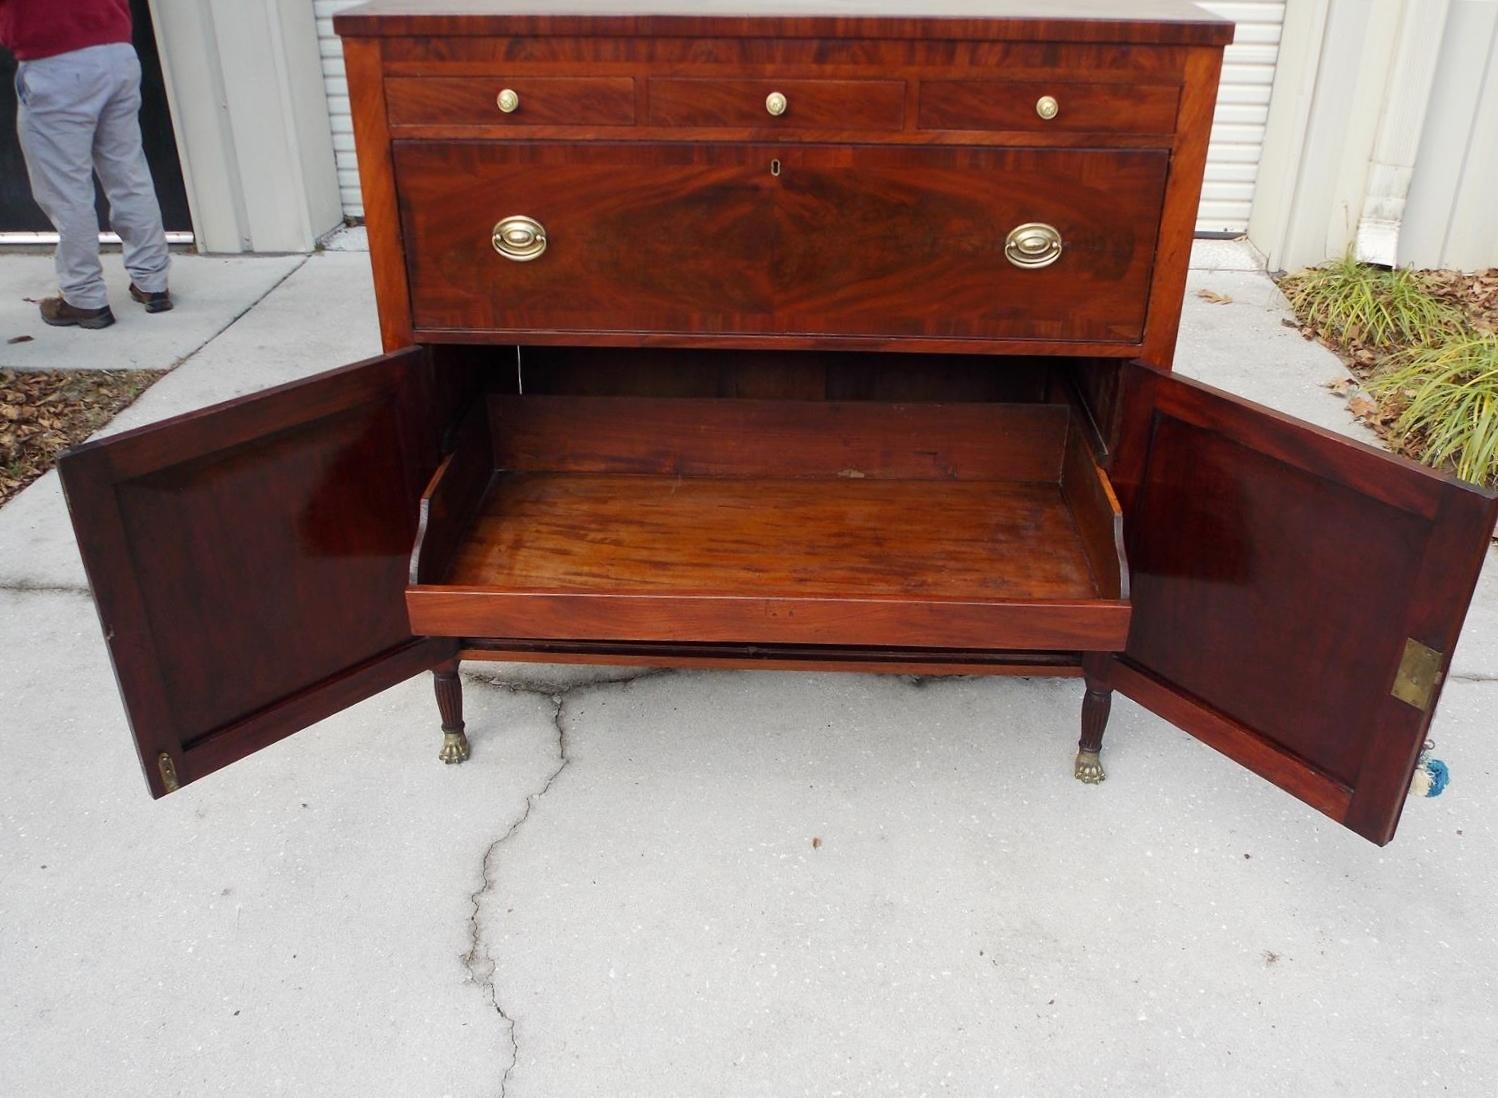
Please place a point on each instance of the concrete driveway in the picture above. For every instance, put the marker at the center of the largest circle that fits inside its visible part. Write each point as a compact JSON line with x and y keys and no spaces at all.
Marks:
{"x":620,"y":895}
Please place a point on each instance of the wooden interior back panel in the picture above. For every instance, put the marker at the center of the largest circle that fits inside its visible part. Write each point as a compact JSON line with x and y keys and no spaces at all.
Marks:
{"x":766,"y":374}
{"x":821,"y":440}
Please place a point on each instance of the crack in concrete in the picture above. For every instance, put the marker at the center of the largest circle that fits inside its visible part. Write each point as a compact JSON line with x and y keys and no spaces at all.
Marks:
{"x":1471,"y":677}
{"x":28,"y":587}
{"x":478,"y":961}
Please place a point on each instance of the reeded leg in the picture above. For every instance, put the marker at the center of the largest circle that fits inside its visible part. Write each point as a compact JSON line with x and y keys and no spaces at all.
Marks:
{"x":450,"y":704}
{"x":1095,"y":705}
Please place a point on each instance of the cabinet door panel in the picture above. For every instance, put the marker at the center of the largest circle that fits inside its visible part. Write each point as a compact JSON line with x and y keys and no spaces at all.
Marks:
{"x":249,"y":560}
{"x":1279,"y":575}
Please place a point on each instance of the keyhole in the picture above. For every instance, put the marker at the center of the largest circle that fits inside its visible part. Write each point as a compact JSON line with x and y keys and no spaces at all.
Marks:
{"x":775,"y":166}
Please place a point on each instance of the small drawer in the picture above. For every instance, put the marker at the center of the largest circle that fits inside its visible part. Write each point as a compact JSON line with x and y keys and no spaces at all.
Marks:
{"x":801,"y":104}
{"x":531,"y":101}
{"x":1043,"y":106}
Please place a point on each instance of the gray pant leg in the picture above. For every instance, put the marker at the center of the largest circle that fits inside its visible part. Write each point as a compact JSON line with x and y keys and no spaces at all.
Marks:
{"x":120,"y":160}
{"x":55,"y":121}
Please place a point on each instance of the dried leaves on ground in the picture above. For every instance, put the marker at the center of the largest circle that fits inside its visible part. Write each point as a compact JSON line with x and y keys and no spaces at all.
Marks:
{"x":1423,"y":349}
{"x":43,"y":412}
{"x":1475,"y":294}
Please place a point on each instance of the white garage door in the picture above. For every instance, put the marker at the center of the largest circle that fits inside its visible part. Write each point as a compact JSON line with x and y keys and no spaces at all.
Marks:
{"x":338,"y":107}
{"x":1242,"y":110}
{"x":1232,"y":161}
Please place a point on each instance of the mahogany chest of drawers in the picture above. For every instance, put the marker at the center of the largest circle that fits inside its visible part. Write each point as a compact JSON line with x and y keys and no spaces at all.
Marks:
{"x":818,"y":337}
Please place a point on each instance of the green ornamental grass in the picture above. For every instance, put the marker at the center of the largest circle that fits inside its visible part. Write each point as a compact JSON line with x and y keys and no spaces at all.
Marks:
{"x":1446,"y":395}
{"x":1355,"y":305}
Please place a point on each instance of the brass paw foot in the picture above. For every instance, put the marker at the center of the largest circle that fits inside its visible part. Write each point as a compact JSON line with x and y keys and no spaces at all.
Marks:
{"x":1089,"y":768}
{"x":454,"y":747}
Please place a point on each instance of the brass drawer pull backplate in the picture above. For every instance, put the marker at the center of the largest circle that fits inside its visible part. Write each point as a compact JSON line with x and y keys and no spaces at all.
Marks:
{"x":1033,"y":245}
{"x":520,"y":238}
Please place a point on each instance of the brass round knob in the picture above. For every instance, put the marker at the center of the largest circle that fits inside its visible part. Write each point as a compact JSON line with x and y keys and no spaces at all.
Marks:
{"x":1047,"y":107}
{"x":1033,"y":245}
{"x":776,"y":104}
{"x":508,"y":100}
{"x":519,"y":238}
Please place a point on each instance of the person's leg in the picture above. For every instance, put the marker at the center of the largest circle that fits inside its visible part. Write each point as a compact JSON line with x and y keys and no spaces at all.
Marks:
{"x":59,"y":100}
{"x":120,"y":160}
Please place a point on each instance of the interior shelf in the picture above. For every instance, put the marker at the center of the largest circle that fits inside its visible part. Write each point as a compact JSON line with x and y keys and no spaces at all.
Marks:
{"x":603,"y":533}
{"x":772,"y":522}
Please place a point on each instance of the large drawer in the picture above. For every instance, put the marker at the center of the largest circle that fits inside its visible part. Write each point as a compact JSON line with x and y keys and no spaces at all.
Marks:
{"x":639,"y":240}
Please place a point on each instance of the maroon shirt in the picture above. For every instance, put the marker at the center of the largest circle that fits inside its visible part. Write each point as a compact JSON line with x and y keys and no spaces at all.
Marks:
{"x":32,"y":29}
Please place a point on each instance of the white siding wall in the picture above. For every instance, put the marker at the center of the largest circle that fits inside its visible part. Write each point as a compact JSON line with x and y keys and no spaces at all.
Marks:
{"x":1232,"y":160}
{"x":1451,"y":218}
{"x":1383,"y":136}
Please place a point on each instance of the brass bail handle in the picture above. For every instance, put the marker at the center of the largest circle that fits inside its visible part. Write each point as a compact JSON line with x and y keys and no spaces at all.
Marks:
{"x":1033,"y":245}
{"x":519,"y":238}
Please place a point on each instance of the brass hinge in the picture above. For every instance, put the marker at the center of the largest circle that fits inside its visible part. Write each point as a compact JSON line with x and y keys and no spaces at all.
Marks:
{"x":168,"y":772}
{"x":1418,"y":675}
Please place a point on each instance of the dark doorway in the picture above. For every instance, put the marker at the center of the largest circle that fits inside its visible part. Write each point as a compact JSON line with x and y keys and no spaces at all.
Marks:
{"x":18,"y":213}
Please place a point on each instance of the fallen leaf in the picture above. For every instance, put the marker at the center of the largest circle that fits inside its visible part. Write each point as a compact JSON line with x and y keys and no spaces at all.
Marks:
{"x":1214,"y":297}
{"x":20,"y":339}
{"x":45,"y":411}
{"x":1362,"y":407}
{"x":816,"y":843}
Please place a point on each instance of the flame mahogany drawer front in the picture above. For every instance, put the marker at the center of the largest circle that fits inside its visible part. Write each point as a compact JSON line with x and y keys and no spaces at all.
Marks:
{"x":1048,"y":106}
{"x":792,"y":239}
{"x":507,"y":100}
{"x":779,"y":103}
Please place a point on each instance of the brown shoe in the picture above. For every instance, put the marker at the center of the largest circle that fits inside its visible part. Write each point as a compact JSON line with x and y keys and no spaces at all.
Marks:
{"x":154,"y":303}
{"x":58,"y":313}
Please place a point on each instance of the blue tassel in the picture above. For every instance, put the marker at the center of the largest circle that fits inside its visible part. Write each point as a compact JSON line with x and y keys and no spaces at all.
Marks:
{"x":1440,"y":777}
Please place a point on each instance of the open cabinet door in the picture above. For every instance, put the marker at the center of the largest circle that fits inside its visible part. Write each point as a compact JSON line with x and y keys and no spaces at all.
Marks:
{"x":249,"y":560}
{"x":1296,"y":594}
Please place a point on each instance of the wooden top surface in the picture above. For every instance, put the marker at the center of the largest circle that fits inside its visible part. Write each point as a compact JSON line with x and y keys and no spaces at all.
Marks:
{"x":1172,"y":22}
